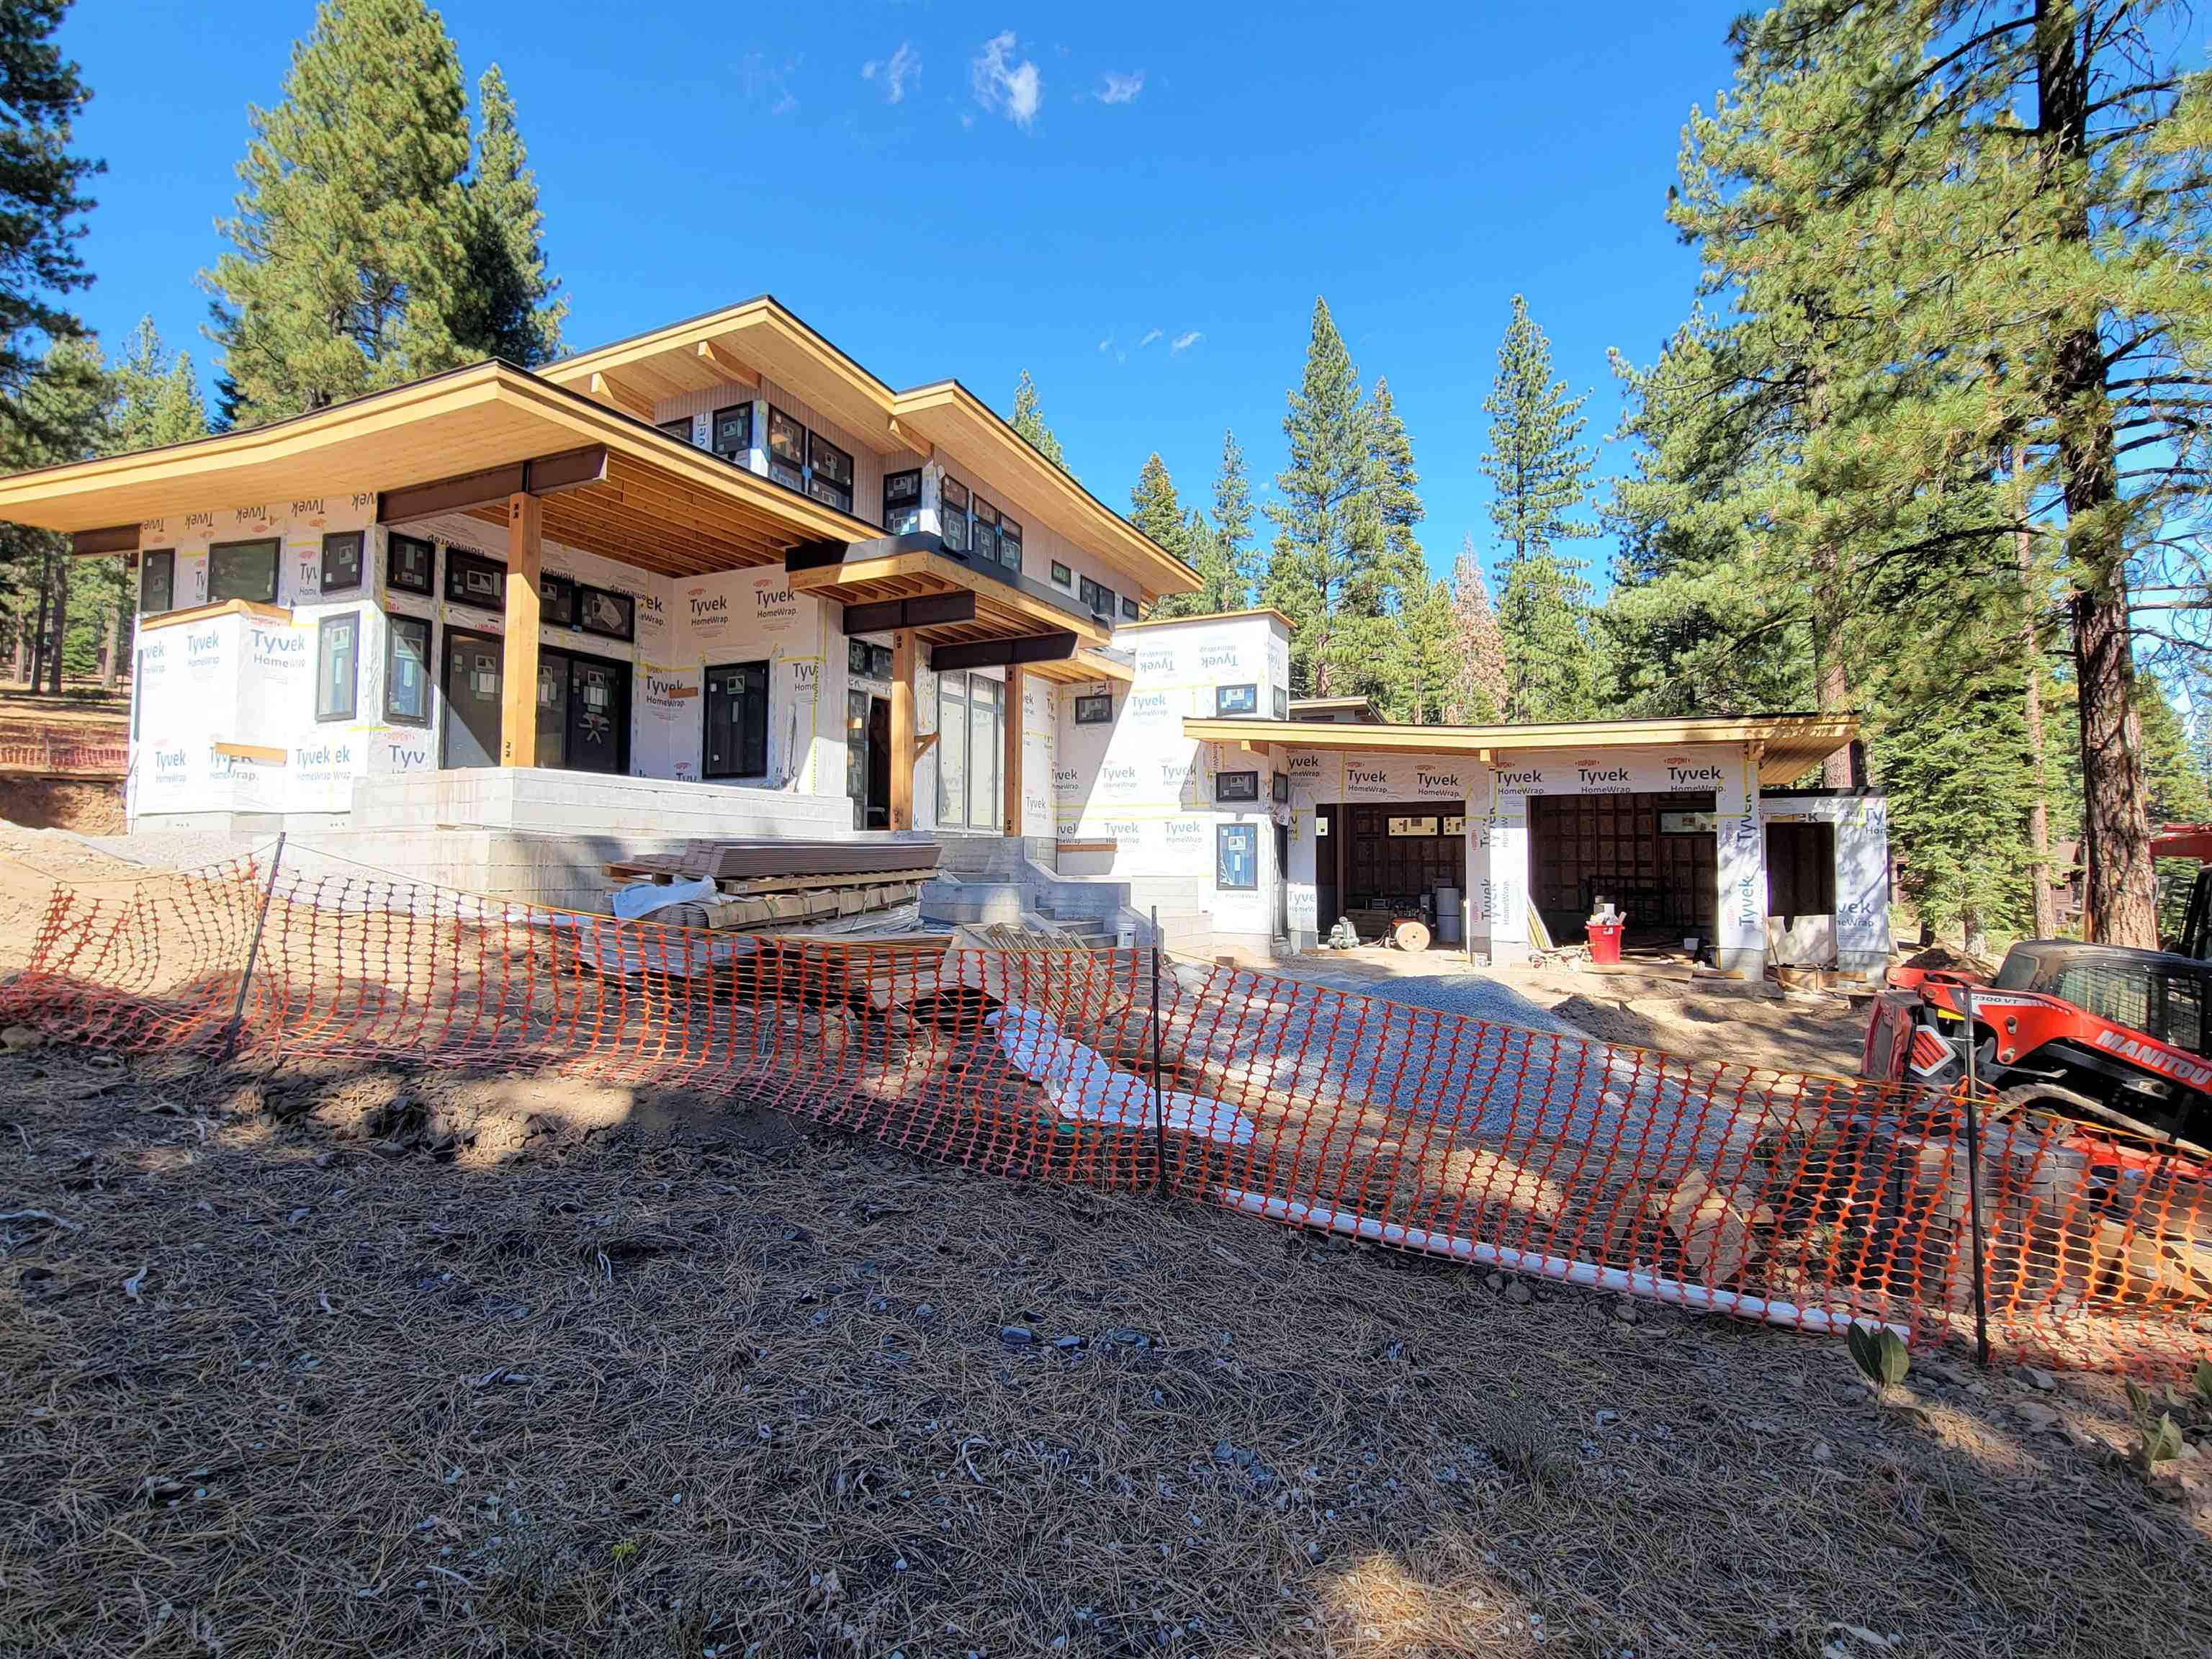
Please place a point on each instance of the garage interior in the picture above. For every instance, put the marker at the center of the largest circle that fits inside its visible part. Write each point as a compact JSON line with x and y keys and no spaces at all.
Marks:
{"x":1653,"y":856}
{"x":1385,"y":858}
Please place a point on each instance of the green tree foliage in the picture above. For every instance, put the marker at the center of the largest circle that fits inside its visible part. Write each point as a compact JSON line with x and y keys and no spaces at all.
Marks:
{"x":2177,"y":791}
{"x":1154,"y":508}
{"x":1476,"y":692}
{"x":509,"y":307}
{"x":364,"y":254}
{"x":1973,"y":235}
{"x":1540,"y":473}
{"x":1231,"y":566}
{"x":64,"y":418}
{"x":42,"y":200}
{"x":1028,"y":421}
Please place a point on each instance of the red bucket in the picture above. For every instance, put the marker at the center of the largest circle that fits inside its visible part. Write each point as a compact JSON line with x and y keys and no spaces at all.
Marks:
{"x":1605,"y":940}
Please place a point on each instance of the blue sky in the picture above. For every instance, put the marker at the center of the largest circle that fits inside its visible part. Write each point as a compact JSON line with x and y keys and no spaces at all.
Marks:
{"x":1137,"y":204}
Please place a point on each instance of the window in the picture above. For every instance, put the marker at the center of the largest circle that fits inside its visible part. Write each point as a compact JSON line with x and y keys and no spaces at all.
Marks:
{"x":983,"y":539}
{"x":413,"y":563}
{"x":471,"y":579}
{"x":879,"y":662}
{"x":1095,"y":709}
{"x":902,"y":502}
{"x":679,"y":429}
{"x":1098,"y":600}
{"x":1237,"y":856}
{"x":1236,"y":786}
{"x":556,"y":601}
{"x":157,"y":582}
{"x":243,"y":570}
{"x":342,"y":561}
{"x":601,"y":611}
{"x":970,"y":723}
{"x":1128,"y":610}
{"x":1062,"y":577}
{"x":733,"y":430}
{"x":1010,"y":543}
{"x":953,"y":514}
{"x":737,"y":721}
{"x":1282,"y":704}
{"x":829,"y":472}
{"x":1280,"y":786}
{"x":337,"y":652}
{"x":407,"y":671}
{"x":856,"y":658}
{"x":1236,"y":700}
{"x":867,"y":662}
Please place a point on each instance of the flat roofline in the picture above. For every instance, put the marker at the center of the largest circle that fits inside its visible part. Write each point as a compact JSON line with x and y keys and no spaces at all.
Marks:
{"x":1789,"y":744}
{"x":1207,"y":615}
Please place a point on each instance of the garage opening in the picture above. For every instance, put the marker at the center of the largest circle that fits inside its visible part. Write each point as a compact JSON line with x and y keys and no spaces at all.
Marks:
{"x":1378,"y":863}
{"x":1653,"y":856}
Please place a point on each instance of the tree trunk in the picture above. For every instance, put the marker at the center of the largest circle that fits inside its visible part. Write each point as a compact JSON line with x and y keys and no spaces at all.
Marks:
{"x":60,"y":567}
{"x":22,"y":650}
{"x":2122,"y":903}
{"x":111,"y":644}
{"x":2038,"y":805}
{"x":39,"y":629}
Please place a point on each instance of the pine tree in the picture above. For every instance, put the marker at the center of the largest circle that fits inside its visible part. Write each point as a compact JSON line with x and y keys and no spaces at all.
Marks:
{"x":63,"y":418}
{"x":156,"y":401}
{"x":1233,"y":567}
{"x":1988,"y":223}
{"x":365,"y":256}
{"x":508,"y":308}
{"x":1539,"y":472}
{"x":1028,"y":421}
{"x":1476,"y":692}
{"x":1325,"y":531}
{"x":1154,"y":508}
{"x":41,"y":201}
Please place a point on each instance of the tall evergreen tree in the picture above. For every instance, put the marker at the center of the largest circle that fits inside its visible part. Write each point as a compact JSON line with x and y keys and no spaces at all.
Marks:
{"x":509,"y":307}
{"x":42,"y":201}
{"x":1989,"y":222}
{"x":1326,"y":529}
{"x":1154,"y":508}
{"x":1234,"y":566}
{"x":156,"y":401}
{"x":1540,"y":473}
{"x":1477,"y":693}
{"x":1028,"y":421}
{"x":63,"y":419}
{"x":364,"y":255}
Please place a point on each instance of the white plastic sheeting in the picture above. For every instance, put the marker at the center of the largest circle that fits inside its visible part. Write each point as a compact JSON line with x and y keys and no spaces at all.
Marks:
{"x":643,"y":898}
{"x":1082,"y":1086}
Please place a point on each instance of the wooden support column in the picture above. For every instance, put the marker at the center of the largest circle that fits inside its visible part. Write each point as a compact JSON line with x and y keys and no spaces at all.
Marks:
{"x":902,"y":749}
{"x":1009,"y":767}
{"x":518,"y":725}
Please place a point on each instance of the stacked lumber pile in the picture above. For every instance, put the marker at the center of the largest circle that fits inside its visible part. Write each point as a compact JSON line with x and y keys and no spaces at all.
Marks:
{"x":762,"y":885}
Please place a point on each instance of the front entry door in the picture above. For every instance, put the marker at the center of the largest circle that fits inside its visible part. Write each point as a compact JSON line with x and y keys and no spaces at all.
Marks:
{"x":1282,"y":881}
{"x":599,"y":715}
{"x":471,"y":676}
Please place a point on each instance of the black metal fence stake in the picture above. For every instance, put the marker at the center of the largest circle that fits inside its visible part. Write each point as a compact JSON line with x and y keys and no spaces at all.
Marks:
{"x":252,"y":953}
{"x":1974,"y":1179}
{"x":1159,"y":1096}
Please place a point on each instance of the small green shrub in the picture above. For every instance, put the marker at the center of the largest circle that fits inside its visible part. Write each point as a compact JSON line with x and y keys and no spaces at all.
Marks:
{"x":1880,"y":1354}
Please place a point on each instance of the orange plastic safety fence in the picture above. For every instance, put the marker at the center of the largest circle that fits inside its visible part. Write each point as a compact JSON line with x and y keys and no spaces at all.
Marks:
{"x":1803,"y":1201}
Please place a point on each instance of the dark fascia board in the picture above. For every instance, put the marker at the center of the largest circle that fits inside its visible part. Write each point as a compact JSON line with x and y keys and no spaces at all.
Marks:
{"x":1002,"y":653}
{"x":97,"y":543}
{"x":923,"y":611}
{"x":543,"y":475}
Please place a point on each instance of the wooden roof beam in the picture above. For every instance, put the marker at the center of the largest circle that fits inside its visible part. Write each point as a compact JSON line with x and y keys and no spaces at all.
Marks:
{"x":724,"y":366}
{"x":543,"y":475}
{"x":96,"y":544}
{"x":1003,"y":653}
{"x":621,"y":396}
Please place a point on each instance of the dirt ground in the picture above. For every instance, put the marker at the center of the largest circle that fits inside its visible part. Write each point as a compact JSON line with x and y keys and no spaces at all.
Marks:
{"x":31,"y":862}
{"x":82,"y":711}
{"x":323,"y":1363}
{"x":1798,"y":1031}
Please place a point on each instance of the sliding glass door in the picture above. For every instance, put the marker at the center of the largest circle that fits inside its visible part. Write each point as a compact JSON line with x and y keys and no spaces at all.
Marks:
{"x":970,"y":724}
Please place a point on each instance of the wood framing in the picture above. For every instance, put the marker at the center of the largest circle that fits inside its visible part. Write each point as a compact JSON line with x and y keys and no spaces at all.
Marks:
{"x":1002,"y":611}
{"x":924,"y":611}
{"x":99,"y":544}
{"x":518,"y":724}
{"x":998,"y":654}
{"x":902,"y":753}
{"x":616,"y":394}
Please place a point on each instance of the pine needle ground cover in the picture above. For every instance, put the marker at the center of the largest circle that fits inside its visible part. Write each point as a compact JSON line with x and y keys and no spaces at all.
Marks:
{"x":372,"y":1362}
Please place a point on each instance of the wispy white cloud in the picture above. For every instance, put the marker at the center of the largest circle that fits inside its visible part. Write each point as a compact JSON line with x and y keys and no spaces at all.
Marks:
{"x":1120,"y":88}
{"x":1185,"y":342}
{"x":1120,"y":352}
{"x":784,"y":105}
{"x":1004,"y":85}
{"x":901,"y":67}
{"x":1156,"y":334}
